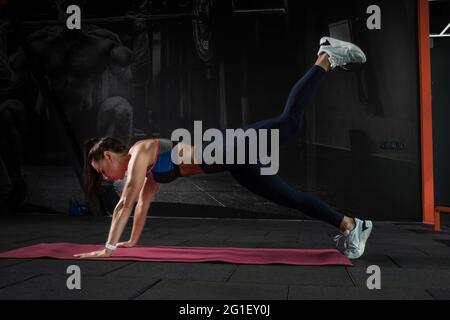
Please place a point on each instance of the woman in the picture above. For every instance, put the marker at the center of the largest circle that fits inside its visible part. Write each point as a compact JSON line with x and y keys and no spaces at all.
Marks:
{"x":149,"y":163}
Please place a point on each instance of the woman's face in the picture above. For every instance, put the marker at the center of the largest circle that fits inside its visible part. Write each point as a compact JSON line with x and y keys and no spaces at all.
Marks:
{"x":110,"y":167}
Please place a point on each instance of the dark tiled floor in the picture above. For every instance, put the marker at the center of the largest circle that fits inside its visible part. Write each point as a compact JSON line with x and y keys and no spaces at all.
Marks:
{"x":408,"y":269}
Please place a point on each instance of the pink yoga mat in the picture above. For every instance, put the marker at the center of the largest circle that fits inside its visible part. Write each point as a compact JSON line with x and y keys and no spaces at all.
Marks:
{"x":305,"y":257}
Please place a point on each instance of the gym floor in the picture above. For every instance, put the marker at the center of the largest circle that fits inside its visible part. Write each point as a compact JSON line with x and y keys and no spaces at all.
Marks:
{"x":414,"y":260}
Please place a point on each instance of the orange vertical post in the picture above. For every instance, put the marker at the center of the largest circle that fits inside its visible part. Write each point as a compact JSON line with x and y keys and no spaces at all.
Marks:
{"x":426,"y":120}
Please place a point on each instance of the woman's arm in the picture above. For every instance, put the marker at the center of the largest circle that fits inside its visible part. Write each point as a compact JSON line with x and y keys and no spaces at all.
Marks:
{"x":139,"y":162}
{"x":140,"y":212}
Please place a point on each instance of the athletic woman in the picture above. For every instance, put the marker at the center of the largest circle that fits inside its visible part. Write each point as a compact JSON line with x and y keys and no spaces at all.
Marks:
{"x":148,"y":163}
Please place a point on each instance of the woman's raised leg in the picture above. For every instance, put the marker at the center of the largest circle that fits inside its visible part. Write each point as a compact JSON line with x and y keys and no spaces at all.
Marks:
{"x":289,"y":121}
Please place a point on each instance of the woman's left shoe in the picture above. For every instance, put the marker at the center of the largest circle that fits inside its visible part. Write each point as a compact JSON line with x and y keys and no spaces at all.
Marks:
{"x":340,"y":52}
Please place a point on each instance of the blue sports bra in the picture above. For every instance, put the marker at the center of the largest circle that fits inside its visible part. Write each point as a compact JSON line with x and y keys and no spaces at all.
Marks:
{"x":164,"y":170}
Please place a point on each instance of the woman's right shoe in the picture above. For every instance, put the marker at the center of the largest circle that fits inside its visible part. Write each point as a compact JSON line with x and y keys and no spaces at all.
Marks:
{"x":340,"y":52}
{"x":356,"y":239}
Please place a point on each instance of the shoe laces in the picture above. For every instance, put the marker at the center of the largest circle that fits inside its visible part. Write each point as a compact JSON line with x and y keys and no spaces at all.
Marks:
{"x":338,"y":60}
{"x":338,"y":238}
{"x":348,"y":240}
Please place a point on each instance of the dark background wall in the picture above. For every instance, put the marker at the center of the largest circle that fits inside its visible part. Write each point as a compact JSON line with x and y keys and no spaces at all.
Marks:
{"x":440,"y":18}
{"x":441,"y":117}
{"x":440,"y":65}
{"x":359,"y":144}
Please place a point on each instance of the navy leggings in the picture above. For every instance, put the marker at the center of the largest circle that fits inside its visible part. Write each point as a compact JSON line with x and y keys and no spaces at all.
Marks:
{"x":273,"y":187}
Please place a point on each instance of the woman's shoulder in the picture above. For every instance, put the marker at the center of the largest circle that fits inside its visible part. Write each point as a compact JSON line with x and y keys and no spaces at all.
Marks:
{"x":147,"y":144}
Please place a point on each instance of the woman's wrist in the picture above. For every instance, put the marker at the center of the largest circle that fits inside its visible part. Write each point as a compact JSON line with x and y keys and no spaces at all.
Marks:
{"x":110,"y":248}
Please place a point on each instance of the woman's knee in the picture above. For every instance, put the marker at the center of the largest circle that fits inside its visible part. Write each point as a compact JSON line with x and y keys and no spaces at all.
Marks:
{"x":288,"y":126}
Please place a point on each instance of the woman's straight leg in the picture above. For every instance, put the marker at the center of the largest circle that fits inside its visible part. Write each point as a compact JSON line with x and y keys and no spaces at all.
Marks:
{"x":276,"y":189}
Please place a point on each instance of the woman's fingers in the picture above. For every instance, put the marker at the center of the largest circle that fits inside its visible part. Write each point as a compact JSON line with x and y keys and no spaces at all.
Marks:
{"x":79,"y":255}
{"x":87,"y":255}
{"x":125,"y":244}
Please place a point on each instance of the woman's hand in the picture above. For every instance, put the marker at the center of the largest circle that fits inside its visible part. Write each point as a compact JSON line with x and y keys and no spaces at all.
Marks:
{"x":95,"y":254}
{"x":126,"y":244}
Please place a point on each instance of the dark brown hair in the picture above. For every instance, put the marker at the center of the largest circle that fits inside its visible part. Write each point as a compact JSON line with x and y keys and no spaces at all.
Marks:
{"x":94,"y":151}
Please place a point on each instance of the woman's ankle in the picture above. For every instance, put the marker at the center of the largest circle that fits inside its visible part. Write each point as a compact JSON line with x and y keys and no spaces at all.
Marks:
{"x":323,"y":62}
{"x":347,"y":224}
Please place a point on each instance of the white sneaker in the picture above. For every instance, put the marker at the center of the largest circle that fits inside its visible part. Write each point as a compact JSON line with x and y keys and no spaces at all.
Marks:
{"x":340,"y":52}
{"x":355,"y":240}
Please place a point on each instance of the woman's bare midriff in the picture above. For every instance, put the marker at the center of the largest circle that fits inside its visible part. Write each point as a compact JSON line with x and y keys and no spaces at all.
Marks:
{"x":188,"y":169}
